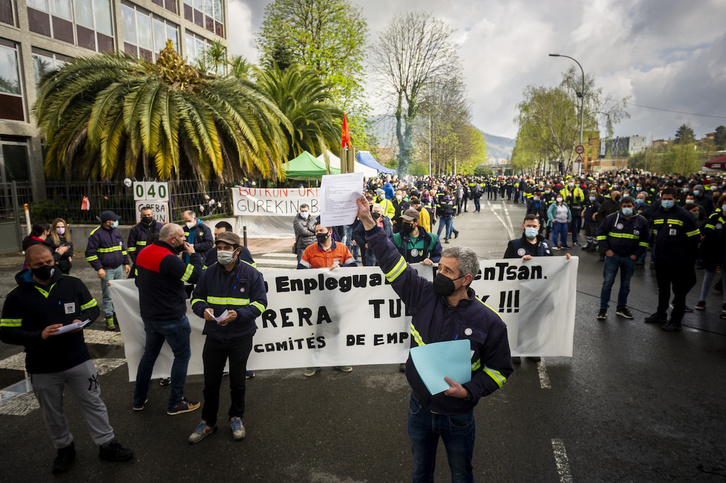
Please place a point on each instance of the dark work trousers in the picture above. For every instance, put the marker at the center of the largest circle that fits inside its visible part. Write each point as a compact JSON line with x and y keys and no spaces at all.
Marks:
{"x":681,"y":276}
{"x":215,"y":355}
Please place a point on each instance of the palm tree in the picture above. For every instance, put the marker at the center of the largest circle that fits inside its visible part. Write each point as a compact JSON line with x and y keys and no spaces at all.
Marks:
{"x":301,"y":95}
{"x":111,"y":116}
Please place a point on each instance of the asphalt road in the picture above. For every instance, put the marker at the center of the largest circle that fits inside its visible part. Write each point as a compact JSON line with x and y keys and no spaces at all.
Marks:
{"x":634,"y":403}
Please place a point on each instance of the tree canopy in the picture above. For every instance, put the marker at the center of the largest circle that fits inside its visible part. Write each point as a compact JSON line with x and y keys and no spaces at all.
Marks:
{"x":112,"y":116}
{"x":328,"y":36}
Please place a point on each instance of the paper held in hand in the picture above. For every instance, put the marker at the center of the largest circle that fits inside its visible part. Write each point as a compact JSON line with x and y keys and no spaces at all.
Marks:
{"x":73,"y":326}
{"x":438,"y":360}
{"x":338,"y":195}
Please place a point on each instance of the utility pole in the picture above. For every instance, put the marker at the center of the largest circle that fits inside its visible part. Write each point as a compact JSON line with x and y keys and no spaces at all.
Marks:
{"x":430,"y":145}
{"x":580,"y":94}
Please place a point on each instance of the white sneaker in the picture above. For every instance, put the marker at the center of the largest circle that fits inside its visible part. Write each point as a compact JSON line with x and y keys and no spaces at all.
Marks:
{"x":238,"y":429}
{"x":201,"y":431}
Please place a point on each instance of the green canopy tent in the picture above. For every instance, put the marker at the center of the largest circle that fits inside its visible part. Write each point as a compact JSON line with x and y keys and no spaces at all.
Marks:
{"x":306,"y":166}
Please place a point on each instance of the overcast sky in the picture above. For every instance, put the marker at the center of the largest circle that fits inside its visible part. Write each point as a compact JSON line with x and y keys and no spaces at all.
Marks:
{"x":667,"y":54}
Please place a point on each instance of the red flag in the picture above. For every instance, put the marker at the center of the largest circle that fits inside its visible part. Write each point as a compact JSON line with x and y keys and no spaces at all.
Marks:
{"x":346,"y":133}
{"x":85,"y":204}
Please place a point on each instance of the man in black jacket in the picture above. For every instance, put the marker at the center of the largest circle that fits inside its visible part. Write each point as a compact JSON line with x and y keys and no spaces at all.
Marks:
{"x":34,"y":314}
{"x":162,"y":303}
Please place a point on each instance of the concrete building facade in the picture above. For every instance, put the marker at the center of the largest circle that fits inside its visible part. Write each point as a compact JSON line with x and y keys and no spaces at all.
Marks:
{"x":622,"y":146}
{"x":40,"y":35}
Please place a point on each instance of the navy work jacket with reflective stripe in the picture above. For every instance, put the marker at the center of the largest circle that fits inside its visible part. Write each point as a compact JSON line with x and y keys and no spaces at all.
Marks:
{"x":242,"y":289}
{"x":161,"y":277}
{"x":434,"y":320}
{"x":624,"y":236}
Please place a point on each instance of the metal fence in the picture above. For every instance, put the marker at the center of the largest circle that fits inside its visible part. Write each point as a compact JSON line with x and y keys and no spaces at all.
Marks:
{"x":64,"y":199}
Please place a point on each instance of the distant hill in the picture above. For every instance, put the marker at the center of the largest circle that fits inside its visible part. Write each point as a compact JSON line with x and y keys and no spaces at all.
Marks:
{"x":498,"y":148}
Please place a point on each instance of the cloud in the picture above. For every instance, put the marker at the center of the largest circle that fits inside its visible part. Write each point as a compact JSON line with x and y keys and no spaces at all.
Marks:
{"x":242,"y":31}
{"x":669,"y":54}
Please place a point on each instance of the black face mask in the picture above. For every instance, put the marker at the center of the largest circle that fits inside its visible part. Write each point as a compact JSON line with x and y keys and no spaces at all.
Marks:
{"x":443,"y":285}
{"x":322,"y":237}
{"x":179,"y":248}
{"x":147,"y":220}
{"x":45,"y":272}
{"x":407,"y":228}
{"x":376,"y":215}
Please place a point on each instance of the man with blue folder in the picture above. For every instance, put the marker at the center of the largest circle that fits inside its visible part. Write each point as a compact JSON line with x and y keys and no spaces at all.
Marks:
{"x":444,"y":310}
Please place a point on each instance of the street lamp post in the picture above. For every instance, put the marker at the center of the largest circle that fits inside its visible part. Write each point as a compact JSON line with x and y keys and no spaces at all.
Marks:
{"x":580,"y":94}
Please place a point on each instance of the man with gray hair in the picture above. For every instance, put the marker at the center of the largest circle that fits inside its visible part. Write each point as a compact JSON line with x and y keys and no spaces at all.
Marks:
{"x":444,"y":310}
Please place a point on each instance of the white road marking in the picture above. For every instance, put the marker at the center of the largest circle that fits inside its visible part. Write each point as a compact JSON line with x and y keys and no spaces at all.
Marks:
{"x":26,"y":403}
{"x":544,"y":379}
{"x":563,"y":464}
{"x":509,"y":220}
{"x":279,"y":254}
{"x":510,"y":232}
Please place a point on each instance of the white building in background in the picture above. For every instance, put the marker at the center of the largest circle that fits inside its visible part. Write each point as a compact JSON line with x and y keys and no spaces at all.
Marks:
{"x":38,"y":35}
{"x":621,"y":147}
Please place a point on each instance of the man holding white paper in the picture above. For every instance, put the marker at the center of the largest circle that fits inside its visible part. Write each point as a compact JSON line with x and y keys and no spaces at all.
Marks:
{"x":34,"y":313}
{"x":444,"y":310}
{"x":229,"y":297}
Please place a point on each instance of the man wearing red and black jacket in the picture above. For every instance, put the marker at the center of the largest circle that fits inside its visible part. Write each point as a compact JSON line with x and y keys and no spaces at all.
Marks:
{"x":233,"y":286}
{"x":33,"y":315}
{"x":162,"y":301}
{"x":444,"y":310}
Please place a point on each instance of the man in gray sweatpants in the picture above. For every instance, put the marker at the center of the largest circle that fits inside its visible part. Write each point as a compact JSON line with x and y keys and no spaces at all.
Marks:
{"x":35,"y":315}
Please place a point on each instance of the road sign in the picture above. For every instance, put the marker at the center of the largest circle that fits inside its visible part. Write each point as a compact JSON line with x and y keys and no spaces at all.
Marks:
{"x":151,"y":191}
{"x":579,"y":159}
{"x":579,"y":149}
{"x":160,"y":209}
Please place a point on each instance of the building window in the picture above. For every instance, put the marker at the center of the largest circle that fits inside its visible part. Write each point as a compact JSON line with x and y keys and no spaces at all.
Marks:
{"x":145,"y":35}
{"x":167,"y":4}
{"x":11,"y":93}
{"x":6,"y":12}
{"x":44,"y":62}
{"x":14,"y":159}
{"x":56,"y":18}
{"x":207,"y":14}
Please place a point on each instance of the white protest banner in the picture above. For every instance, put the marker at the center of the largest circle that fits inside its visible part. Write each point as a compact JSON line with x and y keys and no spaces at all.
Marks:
{"x":274,"y":201}
{"x":350,"y":316}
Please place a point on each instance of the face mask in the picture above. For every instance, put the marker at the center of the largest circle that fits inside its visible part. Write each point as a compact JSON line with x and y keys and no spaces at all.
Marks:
{"x":305,"y":214}
{"x":686,"y":190}
{"x":114,"y":224}
{"x":60,"y":231}
{"x":399,"y":197}
{"x":696,"y":193}
{"x":530,"y":232}
{"x":667,"y":204}
{"x":191,"y":224}
{"x":43,"y":273}
{"x":626,"y":195}
{"x":407,"y":228}
{"x":638,"y":188}
{"x":547,"y":192}
{"x":443,"y":285}
{"x":225,"y":257}
{"x":592,"y":199}
{"x":559,"y":200}
{"x":376,"y":215}
{"x":639,"y":201}
{"x":147,"y":220}
{"x":536,"y":198}
{"x":322,"y":237}
{"x":179,"y":248}
{"x":627,"y":211}
{"x":571,"y":185}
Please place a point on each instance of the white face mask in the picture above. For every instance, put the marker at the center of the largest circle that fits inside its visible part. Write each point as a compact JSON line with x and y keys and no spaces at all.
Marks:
{"x":399,"y":197}
{"x":225,"y":257}
{"x":191,"y":224}
{"x":559,"y":200}
{"x":305,"y":214}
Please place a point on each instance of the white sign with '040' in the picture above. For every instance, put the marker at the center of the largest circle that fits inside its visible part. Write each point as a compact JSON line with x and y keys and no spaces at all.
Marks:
{"x":151,"y":191}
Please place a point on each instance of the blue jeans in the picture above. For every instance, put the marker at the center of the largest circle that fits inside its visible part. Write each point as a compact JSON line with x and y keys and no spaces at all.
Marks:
{"x":610,"y":269}
{"x":447,"y":222}
{"x":477,"y":204}
{"x":559,"y":234}
{"x":176,"y":332}
{"x":111,"y":274}
{"x":457,"y":432}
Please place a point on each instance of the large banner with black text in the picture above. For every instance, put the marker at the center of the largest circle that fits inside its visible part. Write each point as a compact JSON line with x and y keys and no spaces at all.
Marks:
{"x":352,"y":316}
